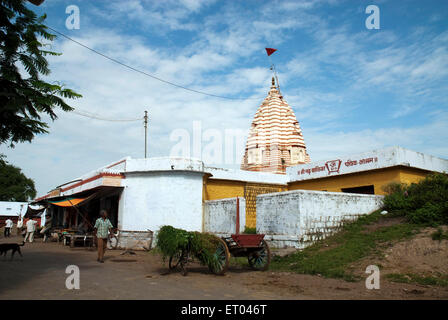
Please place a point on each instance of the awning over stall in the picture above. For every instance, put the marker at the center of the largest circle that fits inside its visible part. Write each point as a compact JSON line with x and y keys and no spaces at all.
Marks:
{"x":67,"y":202}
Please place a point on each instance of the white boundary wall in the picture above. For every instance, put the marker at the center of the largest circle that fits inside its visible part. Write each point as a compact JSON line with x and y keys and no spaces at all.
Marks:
{"x":298,"y":218}
{"x":220,"y":216}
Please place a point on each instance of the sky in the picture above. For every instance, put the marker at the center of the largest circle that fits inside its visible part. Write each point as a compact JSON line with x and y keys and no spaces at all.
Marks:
{"x":353,"y":89}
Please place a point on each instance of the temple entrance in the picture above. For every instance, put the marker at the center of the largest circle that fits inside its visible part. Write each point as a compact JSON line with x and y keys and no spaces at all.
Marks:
{"x":251,"y":191}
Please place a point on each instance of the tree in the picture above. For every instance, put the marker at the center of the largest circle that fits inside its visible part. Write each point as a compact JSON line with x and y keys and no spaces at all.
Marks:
{"x":14,"y":185}
{"x":24,"y":96}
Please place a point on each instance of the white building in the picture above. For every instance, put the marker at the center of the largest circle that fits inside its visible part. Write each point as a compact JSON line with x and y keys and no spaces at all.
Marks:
{"x":145,"y":194}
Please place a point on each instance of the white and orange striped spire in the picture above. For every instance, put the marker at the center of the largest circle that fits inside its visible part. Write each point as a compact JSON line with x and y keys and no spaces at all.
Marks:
{"x":275,"y":139}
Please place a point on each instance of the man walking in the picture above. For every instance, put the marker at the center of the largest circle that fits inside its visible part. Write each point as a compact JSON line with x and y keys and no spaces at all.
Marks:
{"x":30,"y":228}
{"x":8,"y":227}
{"x":102,"y":228}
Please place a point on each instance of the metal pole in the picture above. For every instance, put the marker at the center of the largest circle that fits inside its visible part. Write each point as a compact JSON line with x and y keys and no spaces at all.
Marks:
{"x":237,"y":231}
{"x":146,"y":133}
{"x":275,"y":73}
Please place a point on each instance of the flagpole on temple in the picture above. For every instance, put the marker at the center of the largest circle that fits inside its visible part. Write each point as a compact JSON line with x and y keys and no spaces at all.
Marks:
{"x":269,"y":52}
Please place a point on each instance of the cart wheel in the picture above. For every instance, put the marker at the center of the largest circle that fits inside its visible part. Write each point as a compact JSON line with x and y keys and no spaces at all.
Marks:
{"x":179,"y":260}
{"x":174,"y":260}
{"x":260,"y":259}
{"x":222,"y":258}
{"x":183,"y":266}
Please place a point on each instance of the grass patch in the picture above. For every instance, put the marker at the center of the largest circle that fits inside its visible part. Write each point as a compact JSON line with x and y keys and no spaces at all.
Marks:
{"x":239,"y":262}
{"x":439,"y":235}
{"x":332,"y":256}
{"x":437,"y":280}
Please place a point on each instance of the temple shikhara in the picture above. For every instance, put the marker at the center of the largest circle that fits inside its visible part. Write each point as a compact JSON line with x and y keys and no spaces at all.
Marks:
{"x":275,"y":139}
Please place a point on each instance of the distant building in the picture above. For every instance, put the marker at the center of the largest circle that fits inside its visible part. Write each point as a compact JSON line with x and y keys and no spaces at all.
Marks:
{"x":12,"y":210}
{"x":275,"y":139}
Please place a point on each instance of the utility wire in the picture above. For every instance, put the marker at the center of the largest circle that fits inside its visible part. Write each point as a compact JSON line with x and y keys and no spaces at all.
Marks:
{"x":145,"y":73}
{"x":98,"y":117}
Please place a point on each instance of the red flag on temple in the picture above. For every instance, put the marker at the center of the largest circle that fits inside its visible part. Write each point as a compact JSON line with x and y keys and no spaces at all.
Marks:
{"x":270,"y":51}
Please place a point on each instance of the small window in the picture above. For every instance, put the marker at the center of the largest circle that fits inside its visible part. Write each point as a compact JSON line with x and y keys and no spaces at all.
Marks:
{"x":362,"y":189}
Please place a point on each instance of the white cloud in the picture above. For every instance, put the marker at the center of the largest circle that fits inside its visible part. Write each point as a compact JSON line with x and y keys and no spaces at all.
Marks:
{"x":428,"y":138}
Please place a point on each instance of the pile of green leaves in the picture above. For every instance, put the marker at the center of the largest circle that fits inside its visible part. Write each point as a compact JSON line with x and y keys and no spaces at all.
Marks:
{"x":203,"y":246}
{"x":171,"y":240}
{"x":425,"y":202}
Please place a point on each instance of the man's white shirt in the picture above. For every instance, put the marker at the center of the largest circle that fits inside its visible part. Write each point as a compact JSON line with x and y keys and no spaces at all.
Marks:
{"x":30,"y":226}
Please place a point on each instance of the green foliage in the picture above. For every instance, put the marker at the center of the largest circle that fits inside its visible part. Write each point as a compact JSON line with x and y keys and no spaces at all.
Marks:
{"x":432,"y":280}
{"x":170,"y":240}
{"x":203,"y":246}
{"x":14,"y":185}
{"x":332,"y":256}
{"x":423,"y":203}
{"x":248,"y":230}
{"x":24,"y":97}
{"x":439,"y":235}
{"x":395,"y":200}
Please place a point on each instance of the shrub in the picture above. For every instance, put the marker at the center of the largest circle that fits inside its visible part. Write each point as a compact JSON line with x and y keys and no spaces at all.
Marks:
{"x":432,"y":214}
{"x":439,"y":235}
{"x":425,"y":202}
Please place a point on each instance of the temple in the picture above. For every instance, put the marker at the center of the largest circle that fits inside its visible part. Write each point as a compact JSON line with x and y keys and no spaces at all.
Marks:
{"x":275,"y":139}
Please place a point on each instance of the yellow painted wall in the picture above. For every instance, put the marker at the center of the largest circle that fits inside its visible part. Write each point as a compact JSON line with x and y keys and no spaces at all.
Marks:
{"x":379,"y":178}
{"x":222,"y":189}
{"x":412,"y":175}
{"x":215,"y":189}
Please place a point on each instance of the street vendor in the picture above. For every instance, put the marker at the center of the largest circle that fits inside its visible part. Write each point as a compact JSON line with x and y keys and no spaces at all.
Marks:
{"x":102,"y":228}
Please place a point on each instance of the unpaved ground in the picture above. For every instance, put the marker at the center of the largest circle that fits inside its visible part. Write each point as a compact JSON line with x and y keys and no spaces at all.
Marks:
{"x":41,"y":275}
{"x":420,"y":255}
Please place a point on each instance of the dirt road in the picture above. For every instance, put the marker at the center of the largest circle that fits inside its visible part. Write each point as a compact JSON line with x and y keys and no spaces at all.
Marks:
{"x":41,"y":275}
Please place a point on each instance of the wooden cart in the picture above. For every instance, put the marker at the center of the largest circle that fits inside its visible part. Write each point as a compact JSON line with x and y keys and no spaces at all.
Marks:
{"x":252,"y":246}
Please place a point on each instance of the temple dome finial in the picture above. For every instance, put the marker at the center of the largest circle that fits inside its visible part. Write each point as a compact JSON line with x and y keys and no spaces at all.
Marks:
{"x":275,"y":138}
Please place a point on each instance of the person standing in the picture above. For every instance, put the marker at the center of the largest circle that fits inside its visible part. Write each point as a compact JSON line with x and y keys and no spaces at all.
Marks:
{"x":30,"y":228}
{"x":8,"y":228}
{"x":102,"y":228}
{"x":19,"y":225}
{"x":46,"y":229}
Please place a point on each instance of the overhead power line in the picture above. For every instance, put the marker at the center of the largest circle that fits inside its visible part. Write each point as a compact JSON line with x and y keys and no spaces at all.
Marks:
{"x":90,"y":115}
{"x":145,"y":73}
